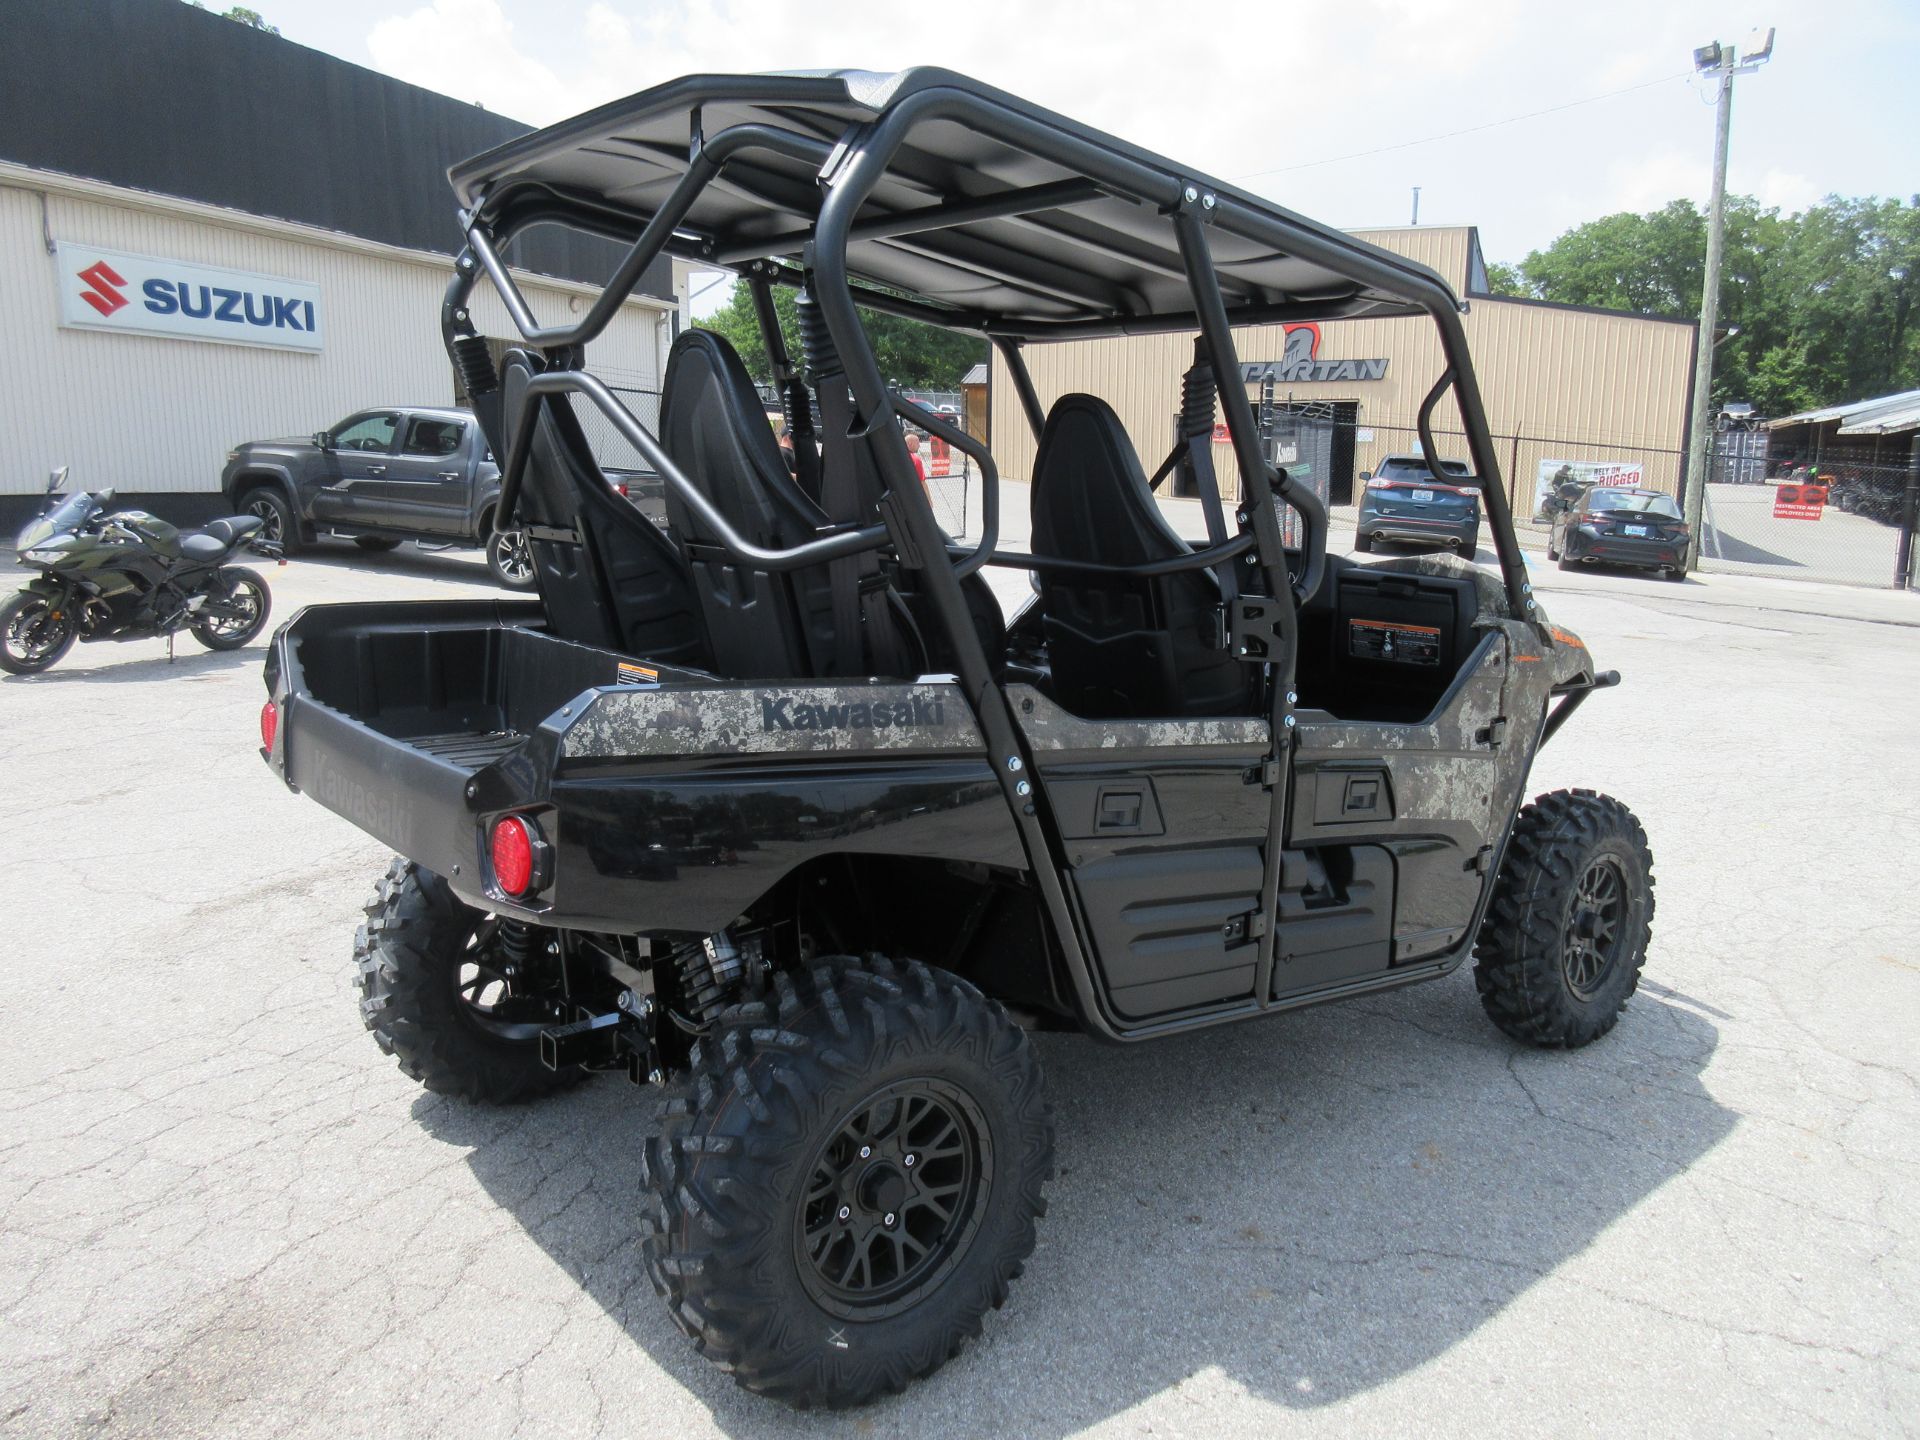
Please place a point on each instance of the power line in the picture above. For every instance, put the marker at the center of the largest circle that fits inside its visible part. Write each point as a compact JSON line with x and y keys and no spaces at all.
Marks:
{"x":1469,"y":130}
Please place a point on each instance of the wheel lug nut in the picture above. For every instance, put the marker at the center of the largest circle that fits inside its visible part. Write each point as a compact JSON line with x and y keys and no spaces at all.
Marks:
{"x":908,"y":1162}
{"x":846,"y":1212}
{"x":887,"y":1219}
{"x":866,"y":1152}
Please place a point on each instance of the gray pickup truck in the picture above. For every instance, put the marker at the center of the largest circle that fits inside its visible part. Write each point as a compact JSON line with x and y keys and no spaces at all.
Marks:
{"x":390,"y":474}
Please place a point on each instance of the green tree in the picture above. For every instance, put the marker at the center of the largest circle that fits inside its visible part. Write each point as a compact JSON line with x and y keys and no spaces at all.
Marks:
{"x":1504,"y":279}
{"x":1814,"y":308}
{"x":252,"y":19}
{"x":914,"y":354}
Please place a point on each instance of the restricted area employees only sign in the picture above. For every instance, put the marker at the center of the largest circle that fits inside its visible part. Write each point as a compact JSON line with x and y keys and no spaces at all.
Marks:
{"x":146,"y":295}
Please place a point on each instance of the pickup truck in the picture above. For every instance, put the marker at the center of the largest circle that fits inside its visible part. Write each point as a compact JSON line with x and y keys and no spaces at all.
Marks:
{"x":385,"y":475}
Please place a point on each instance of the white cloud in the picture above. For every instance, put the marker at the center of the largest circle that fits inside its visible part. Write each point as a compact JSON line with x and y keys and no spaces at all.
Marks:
{"x":467,"y":48}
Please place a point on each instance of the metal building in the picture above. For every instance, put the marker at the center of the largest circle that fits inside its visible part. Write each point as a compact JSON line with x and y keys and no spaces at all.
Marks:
{"x":1605,"y":391}
{"x":209,"y":234}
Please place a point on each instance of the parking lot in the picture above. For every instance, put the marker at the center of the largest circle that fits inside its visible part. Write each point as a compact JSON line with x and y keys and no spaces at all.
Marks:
{"x":226,"y":1214}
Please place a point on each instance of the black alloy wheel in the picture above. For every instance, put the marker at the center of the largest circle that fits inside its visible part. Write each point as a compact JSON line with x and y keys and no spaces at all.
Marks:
{"x":892,"y":1199}
{"x":275,"y":515}
{"x":1596,"y":928}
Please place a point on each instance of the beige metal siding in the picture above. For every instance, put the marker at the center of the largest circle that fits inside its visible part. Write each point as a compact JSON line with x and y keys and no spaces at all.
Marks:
{"x":1557,"y":383}
{"x":1439,"y":247}
{"x":151,"y":414}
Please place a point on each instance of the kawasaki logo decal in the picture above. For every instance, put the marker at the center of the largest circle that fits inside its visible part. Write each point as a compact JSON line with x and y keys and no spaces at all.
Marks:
{"x":783,"y":712}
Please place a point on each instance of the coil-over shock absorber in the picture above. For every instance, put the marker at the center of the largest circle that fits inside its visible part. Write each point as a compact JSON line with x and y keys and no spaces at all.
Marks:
{"x":710,"y":974}
{"x":816,"y":341}
{"x":475,"y":363}
{"x":1199,"y":397}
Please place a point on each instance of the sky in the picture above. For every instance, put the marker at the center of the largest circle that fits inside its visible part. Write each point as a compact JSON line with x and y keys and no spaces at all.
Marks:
{"x":1285,"y":98}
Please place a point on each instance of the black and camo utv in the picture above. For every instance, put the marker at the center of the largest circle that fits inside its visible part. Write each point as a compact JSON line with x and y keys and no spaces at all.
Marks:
{"x":777,"y":809}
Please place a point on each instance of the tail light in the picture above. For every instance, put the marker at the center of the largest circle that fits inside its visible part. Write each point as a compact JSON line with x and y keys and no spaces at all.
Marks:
{"x":516,"y":849}
{"x":620,"y":489}
{"x":269,"y":725}
{"x":1379,"y":484}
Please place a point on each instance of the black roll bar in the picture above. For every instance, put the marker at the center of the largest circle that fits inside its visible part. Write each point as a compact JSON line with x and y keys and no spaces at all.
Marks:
{"x":704,"y":162}
{"x":1009,"y":349}
{"x":989,"y":480}
{"x":741,"y":549}
{"x":1206,"y":559}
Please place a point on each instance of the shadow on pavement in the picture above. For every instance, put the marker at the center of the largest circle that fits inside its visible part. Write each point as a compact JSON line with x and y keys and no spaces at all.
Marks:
{"x":408,"y":559}
{"x":189,"y":661}
{"x":1315,"y":1205}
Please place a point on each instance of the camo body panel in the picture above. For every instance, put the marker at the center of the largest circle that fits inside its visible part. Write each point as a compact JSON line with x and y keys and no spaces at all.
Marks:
{"x":773,"y":720}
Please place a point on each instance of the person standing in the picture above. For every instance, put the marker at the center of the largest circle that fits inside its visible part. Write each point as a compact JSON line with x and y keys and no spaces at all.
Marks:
{"x":913,"y":454}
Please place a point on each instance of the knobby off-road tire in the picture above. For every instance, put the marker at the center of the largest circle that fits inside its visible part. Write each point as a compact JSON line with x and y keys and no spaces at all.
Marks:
{"x":1566,"y":936}
{"x":760,"y":1192}
{"x":411,"y":953}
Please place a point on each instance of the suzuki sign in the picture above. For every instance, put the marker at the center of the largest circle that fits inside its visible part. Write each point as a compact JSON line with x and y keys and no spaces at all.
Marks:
{"x":143,"y":295}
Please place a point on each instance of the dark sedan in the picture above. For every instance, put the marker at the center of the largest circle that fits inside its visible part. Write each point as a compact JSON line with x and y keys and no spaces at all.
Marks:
{"x":1642,"y":528}
{"x":1403,"y":502}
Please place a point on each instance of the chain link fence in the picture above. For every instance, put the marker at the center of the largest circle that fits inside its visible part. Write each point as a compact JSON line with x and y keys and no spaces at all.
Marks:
{"x":1848,"y":523}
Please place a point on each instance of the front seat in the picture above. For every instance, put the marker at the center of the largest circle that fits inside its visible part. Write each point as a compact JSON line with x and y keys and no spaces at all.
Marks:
{"x":764,"y":624}
{"x":217,"y":537}
{"x":606,"y":574}
{"x":1122,"y":646}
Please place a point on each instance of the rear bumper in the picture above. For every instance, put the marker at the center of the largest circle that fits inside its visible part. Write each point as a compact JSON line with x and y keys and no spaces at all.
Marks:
{"x":1411,"y":529}
{"x":1625,"y":550}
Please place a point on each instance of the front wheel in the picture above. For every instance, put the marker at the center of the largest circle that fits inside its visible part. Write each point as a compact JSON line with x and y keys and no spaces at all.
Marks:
{"x":1566,"y":936}
{"x":34,"y":632}
{"x":510,"y":558}
{"x":1363,"y":544}
{"x":277,"y":521}
{"x":236,"y":610}
{"x":852,"y":1183}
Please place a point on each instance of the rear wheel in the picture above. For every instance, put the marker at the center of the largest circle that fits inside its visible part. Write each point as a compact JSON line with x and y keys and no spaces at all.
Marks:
{"x":1363,"y":543}
{"x":237,"y":610}
{"x":852,"y":1183}
{"x":1566,"y":936}
{"x":444,"y":989}
{"x":1567,"y":562}
{"x":277,"y":520}
{"x":1677,"y":575}
{"x":33,"y":634}
{"x":510,"y":558}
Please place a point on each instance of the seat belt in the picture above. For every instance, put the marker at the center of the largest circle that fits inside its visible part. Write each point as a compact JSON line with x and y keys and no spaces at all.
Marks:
{"x":866,"y":634}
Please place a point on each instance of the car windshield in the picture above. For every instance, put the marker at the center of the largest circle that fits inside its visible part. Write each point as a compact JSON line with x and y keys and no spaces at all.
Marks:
{"x":1661,"y":505}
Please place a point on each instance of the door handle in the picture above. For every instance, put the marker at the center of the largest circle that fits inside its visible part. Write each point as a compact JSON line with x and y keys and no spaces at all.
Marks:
{"x":449,"y":474}
{"x":1119,"y":810}
{"x":376,"y":469}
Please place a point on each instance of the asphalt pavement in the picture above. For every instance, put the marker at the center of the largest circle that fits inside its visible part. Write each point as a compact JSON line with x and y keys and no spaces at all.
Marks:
{"x":224,"y":1213}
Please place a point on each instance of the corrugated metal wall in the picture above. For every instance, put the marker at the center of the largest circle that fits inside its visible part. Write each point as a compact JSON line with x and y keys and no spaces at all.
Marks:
{"x":149,"y":414}
{"x":1558,"y":383}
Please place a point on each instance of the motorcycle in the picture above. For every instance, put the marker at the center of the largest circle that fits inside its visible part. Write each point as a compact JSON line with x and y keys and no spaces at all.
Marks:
{"x":129,"y":575}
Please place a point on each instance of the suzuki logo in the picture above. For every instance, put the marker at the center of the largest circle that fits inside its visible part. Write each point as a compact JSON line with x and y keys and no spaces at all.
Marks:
{"x":103,"y":288}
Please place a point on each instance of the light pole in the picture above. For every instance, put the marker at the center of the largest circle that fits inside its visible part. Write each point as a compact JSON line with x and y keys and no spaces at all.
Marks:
{"x":1723,"y":62}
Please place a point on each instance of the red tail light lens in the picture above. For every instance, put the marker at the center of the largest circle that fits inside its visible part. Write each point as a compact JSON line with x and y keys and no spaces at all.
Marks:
{"x":510,"y":847}
{"x":269,"y":725}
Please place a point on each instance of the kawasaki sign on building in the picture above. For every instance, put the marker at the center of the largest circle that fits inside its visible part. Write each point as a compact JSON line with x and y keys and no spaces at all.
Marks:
{"x":147,"y":295}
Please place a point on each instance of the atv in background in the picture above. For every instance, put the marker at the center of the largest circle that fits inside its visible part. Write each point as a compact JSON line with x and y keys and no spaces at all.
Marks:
{"x":773,"y":808}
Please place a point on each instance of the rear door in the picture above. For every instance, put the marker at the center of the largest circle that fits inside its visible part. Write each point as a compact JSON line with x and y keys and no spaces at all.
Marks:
{"x":1164,"y":827}
{"x":428,"y":485}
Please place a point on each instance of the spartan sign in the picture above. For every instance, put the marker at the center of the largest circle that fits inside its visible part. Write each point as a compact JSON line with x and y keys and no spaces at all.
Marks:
{"x":1300,"y":362}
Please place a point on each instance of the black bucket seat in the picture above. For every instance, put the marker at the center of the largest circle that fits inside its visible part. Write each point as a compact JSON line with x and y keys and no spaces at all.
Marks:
{"x":1122,"y":646}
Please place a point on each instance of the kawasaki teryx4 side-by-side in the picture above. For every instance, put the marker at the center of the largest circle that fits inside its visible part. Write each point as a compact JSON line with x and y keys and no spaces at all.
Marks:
{"x":776,"y":809}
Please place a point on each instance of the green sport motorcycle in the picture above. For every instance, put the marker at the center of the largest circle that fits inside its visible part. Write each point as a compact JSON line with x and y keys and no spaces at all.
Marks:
{"x":128,"y":575}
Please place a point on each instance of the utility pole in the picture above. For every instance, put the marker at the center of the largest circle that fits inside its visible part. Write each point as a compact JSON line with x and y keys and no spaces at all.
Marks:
{"x":1723,"y":62}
